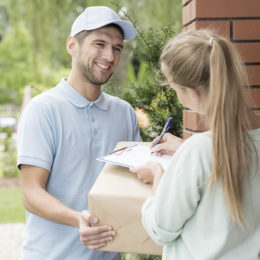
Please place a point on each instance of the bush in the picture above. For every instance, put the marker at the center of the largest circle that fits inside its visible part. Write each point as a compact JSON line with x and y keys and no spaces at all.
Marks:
{"x":141,"y":257}
{"x":8,"y":153}
{"x":143,"y":88}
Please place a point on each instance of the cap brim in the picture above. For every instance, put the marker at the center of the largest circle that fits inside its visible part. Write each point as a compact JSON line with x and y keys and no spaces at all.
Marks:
{"x":127,"y":27}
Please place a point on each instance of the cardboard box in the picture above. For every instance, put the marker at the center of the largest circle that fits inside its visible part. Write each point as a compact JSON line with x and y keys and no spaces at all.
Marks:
{"x":116,"y":198}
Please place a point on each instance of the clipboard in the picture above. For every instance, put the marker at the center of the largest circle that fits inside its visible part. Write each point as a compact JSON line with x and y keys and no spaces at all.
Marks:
{"x":134,"y":155}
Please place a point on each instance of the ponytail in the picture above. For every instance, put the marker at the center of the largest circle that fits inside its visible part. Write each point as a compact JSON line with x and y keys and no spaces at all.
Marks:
{"x":227,"y":112}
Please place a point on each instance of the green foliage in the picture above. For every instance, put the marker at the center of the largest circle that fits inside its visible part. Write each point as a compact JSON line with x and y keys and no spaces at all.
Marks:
{"x":11,"y":206}
{"x":152,"y":13}
{"x":149,"y":44}
{"x":48,"y":79}
{"x":17,"y":68}
{"x":15,"y":64}
{"x":141,"y":257}
{"x":145,"y":92}
{"x":3,"y":20}
{"x":7,"y":154}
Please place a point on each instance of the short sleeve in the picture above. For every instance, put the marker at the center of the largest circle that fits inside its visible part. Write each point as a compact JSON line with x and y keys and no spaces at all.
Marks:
{"x":35,"y":142}
{"x":136,"y":132}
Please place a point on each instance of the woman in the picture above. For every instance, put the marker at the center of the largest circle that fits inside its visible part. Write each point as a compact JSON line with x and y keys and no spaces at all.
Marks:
{"x":206,"y":204}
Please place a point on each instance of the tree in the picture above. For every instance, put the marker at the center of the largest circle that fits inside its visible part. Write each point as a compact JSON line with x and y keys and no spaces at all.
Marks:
{"x":159,"y":102}
{"x":142,"y":88}
{"x":15,"y":64}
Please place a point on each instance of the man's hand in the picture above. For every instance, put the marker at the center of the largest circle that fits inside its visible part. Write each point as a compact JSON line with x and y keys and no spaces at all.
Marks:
{"x":91,"y":236}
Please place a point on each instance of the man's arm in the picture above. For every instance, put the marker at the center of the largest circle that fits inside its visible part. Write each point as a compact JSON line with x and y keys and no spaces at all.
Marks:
{"x":38,"y":201}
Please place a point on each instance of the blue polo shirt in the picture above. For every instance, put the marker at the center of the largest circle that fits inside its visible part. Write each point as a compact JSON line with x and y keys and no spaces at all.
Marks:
{"x":63,"y":132}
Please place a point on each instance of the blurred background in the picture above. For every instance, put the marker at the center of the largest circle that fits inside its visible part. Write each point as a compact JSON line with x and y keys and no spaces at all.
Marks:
{"x":33,"y":58}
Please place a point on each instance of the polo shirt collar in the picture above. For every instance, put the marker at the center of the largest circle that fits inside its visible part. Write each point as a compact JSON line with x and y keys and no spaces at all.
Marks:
{"x":80,"y":101}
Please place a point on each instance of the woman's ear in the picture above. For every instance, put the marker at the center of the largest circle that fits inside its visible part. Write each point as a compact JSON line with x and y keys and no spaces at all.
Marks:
{"x":199,"y":100}
{"x":71,"y":45}
{"x":193,"y":93}
{"x":193,"y":96}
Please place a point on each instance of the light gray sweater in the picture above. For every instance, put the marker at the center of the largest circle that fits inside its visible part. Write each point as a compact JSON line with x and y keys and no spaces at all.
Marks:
{"x":192,"y":222}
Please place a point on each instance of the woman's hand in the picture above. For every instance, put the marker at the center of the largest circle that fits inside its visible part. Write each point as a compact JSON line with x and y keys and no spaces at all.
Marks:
{"x":168,"y":144}
{"x":149,"y":173}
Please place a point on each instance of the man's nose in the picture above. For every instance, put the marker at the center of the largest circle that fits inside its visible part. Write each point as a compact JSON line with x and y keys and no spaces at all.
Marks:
{"x":108,"y":54}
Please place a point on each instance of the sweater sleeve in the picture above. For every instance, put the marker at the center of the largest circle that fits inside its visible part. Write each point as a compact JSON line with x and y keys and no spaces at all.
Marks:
{"x":179,"y":191}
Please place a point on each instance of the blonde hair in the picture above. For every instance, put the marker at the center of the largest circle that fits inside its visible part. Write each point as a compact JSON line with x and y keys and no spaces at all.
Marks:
{"x":203,"y":60}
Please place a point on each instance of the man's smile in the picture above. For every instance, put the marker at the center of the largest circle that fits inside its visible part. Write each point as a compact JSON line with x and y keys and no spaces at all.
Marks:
{"x":103,"y":66}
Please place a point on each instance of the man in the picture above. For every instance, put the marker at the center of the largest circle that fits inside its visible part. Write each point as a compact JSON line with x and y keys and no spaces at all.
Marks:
{"x":60,"y":135}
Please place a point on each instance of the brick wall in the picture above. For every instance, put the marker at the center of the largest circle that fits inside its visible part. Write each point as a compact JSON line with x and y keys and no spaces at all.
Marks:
{"x":238,"y":20}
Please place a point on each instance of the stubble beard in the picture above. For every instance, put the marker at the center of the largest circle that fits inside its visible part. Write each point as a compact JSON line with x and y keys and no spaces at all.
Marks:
{"x":90,"y":76}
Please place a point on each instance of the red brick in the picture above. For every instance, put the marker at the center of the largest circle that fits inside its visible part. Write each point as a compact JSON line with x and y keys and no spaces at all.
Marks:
{"x":193,"y":10}
{"x":220,"y":27}
{"x":242,"y":30}
{"x":258,"y":114}
{"x":253,"y":75}
{"x":192,"y":26}
{"x":227,"y":8}
{"x":188,"y":13}
{"x":250,"y":52}
{"x":193,"y":121}
{"x":185,"y":2}
{"x":246,"y":30}
{"x":184,"y":118}
{"x":254,"y":98}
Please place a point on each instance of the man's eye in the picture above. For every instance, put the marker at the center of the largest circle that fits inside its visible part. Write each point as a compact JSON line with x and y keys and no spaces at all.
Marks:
{"x":100,"y":44}
{"x":117,"y":49}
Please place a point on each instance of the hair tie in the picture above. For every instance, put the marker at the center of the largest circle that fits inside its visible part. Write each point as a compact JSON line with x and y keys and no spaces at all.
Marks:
{"x":211,"y":41}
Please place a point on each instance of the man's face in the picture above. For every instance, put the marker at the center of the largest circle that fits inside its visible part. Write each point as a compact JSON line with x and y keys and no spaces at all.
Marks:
{"x":99,"y":54}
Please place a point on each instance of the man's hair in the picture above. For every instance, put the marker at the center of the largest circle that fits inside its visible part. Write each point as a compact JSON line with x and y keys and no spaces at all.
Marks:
{"x":83,"y":34}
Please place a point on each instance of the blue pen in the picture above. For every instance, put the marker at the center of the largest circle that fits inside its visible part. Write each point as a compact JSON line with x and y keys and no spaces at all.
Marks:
{"x":165,"y":130}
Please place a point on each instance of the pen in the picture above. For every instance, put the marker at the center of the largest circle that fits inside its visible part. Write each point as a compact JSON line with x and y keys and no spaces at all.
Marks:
{"x":165,"y":130}
{"x":126,"y":148}
{"x":118,"y":150}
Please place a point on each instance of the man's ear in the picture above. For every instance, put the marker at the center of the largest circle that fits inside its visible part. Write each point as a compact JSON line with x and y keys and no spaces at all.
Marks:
{"x":71,"y":45}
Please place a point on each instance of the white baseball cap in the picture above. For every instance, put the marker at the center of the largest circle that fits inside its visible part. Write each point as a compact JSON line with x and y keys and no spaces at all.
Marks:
{"x":98,"y":16}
